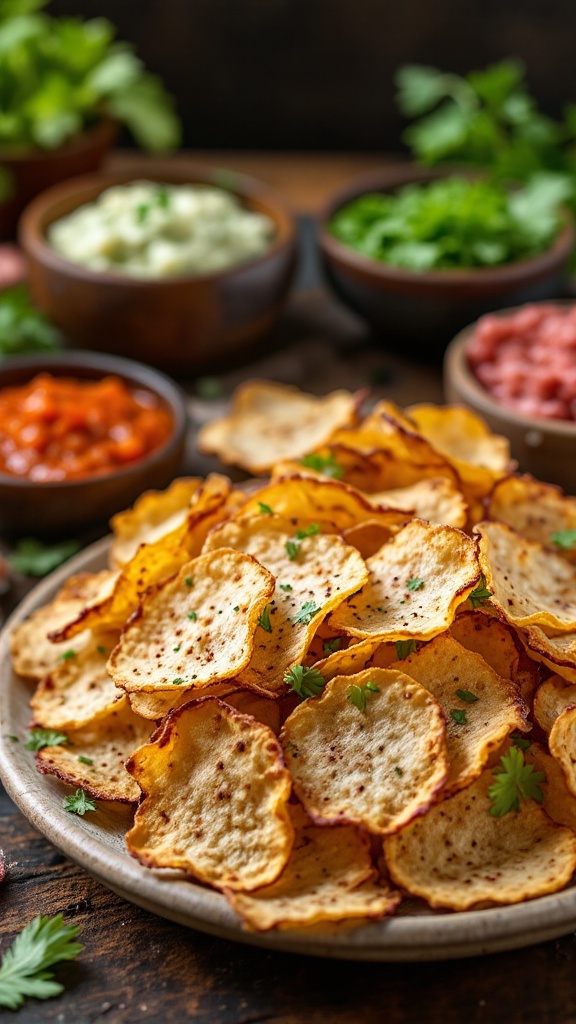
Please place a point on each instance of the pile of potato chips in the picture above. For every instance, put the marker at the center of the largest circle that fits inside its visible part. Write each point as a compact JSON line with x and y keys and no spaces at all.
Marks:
{"x":346,"y":683}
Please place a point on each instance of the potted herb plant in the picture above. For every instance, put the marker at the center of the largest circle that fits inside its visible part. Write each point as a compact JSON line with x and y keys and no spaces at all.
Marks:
{"x":65,"y":87}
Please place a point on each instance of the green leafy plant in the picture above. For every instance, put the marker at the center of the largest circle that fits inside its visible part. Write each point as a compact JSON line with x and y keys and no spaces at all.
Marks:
{"x":515,"y":781}
{"x":59,"y":76}
{"x":35,"y":558}
{"x":306,"y":682}
{"x":45,"y":941}
{"x":23,"y":328}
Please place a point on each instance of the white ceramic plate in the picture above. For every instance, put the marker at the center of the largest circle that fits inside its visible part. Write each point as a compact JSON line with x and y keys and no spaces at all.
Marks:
{"x":96,"y":843}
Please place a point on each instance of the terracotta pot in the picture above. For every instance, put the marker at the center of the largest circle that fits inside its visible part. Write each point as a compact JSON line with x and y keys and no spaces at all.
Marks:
{"x":418,"y":312}
{"x":181,"y":323}
{"x":34,"y":170}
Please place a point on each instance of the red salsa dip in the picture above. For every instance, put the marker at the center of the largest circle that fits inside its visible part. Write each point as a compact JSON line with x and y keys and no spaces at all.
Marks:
{"x":527,"y":360}
{"x":61,"y":428}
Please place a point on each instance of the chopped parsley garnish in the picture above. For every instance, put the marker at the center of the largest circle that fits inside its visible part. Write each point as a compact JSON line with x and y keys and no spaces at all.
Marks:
{"x":78,"y":803}
{"x":306,"y":682}
{"x":520,"y":741}
{"x":404,"y":648}
{"x":326,"y":464}
{"x":34,"y":558}
{"x":178,"y":681}
{"x":142,"y":211}
{"x":357,"y":694}
{"x":45,"y":941}
{"x":101,"y":649}
{"x":330,"y":646}
{"x":564,"y":539}
{"x":15,"y":739}
{"x":84,"y":759}
{"x":68,"y":655}
{"x":285,"y":586}
{"x":264,"y":509}
{"x":189,"y":581}
{"x":480,"y":594}
{"x":236,"y":608}
{"x":458,"y":716}
{"x":398,"y":770}
{"x":515,"y":781}
{"x":307,"y":612}
{"x":467,"y":697}
{"x":264,"y":620}
{"x":192,"y":616}
{"x":163,"y":197}
{"x":293,"y":546}
{"x":414,"y":583}
{"x":176,"y":649}
{"x":40,"y":738}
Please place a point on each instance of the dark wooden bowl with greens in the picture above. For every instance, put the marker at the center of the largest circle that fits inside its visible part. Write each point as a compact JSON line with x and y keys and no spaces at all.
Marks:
{"x":420,"y":253}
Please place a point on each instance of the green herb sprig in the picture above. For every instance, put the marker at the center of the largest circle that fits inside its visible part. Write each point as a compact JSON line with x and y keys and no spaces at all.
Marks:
{"x":24,"y":972}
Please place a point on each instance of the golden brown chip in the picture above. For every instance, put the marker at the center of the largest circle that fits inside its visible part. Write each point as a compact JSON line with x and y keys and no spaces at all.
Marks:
{"x":459,"y":856}
{"x":314,"y":573}
{"x":94,"y":757}
{"x":538,"y":511}
{"x":558,"y":802}
{"x":263,"y":709}
{"x":79,"y":690}
{"x":370,"y":751}
{"x":562,"y":744}
{"x":155,"y":706}
{"x":530,"y":585}
{"x":368,"y":537}
{"x":215,"y":798}
{"x":329,"y":877}
{"x":33,"y":654}
{"x":436,"y":500}
{"x":417,"y":580}
{"x":556,"y":651}
{"x":462,"y":436}
{"x":154,"y":515}
{"x":320,"y":499}
{"x":349,"y":661}
{"x":197,"y":628}
{"x":491,"y":639}
{"x":270,"y":421}
{"x":552,"y":697}
{"x":481,"y":708}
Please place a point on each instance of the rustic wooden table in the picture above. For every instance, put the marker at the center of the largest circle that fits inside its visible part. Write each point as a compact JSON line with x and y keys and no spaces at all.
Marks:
{"x":136,"y":967}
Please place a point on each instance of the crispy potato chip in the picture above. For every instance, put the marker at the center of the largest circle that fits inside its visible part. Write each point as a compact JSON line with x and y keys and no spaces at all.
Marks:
{"x":463,"y":437}
{"x":552,"y":697}
{"x":94,"y":757}
{"x":536,"y":510}
{"x":79,"y":690}
{"x":349,"y":661}
{"x":154,"y":706}
{"x":481,"y":708}
{"x":263,"y":709}
{"x":562,"y":744}
{"x":491,"y":639}
{"x":33,"y":654}
{"x":557,"y":651}
{"x":272,"y":421}
{"x":417,"y":580}
{"x":459,"y":856}
{"x":329,"y":877}
{"x":312,"y":577}
{"x":530,"y":585}
{"x":197,"y":628}
{"x":368,"y":537}
{"x":154,"y":515}
{"x":306,"y":497}
{"x":215,"y":798}
{"x":376,"y":762}
{"x":436,"y":500}
{"x":155,"y":562}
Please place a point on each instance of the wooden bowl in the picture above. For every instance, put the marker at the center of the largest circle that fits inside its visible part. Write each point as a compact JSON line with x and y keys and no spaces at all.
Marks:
{"x":426,"y":308}
{"x":181,"y":323}
{"x":545,"y":448}
{"x":62,"y":508}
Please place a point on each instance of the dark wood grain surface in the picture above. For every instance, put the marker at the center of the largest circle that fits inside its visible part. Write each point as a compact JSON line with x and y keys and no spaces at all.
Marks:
{"x":136,"y":967}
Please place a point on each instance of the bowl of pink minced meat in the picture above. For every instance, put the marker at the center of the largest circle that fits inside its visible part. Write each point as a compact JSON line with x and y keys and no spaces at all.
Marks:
{"x":517,"y":369}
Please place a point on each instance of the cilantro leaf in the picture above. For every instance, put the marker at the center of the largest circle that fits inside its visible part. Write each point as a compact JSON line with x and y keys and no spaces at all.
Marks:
{"x":78,"y":803}
{"x":264,"y":620}
{"x":68,"y":655}
{"x":357,"y":694}
{"x":330,"y":646}
{"x":306,"y":682}
{"x":414,"y":583}
{"x":514,"y":781}
{"x":326,"y":464}
{"x":307,"y":612}
{"x":34,"y":558}
{"x":308,"y":531}
{"x":40,"y":738}
{"x":285,"y":586}
{"x":44,"y":941}
{"x":292,"y":549}
{"x":565,"y":539}
{"x":458,"y":716}
{"x":467,"y":697}
{"x":265,"y":509}
{"x":480,"y":594}
{"x":404,"y":648}
{"x":293,"y":546}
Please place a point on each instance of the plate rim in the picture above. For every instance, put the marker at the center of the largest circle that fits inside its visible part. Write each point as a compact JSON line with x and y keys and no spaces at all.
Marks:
{"x":434,"y":936}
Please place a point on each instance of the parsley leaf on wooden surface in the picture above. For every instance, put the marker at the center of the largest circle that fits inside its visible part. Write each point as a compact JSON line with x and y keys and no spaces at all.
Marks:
{"x":45,"y":941}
